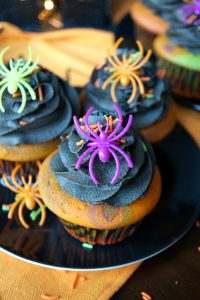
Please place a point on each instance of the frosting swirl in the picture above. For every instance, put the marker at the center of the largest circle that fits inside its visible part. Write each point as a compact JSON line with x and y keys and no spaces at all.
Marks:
{"x":41,"y":120}
{"x":131,"y":184}
{"x":184,"y":34}
{"x":162,"y":8}
{"x":147,"y":109}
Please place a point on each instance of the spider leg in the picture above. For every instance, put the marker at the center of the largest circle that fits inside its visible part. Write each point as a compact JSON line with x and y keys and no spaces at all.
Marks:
{"x":123,"y":132}
{"x":120,"y":118}
{"x":2,"y":82}
{"x":81,"y":158}
{"x":83,"y":133}
{"x":111,"y":60}
{"x":144,"y":61}
{"x":11,"y":64}
{"x":23,"y":104}
{"x":2,"y":65}
{"x":12,"y":209}
{"x":2,"y":89}
{"x":90,"y":110}
{"x":107,"y":81}
{"x":117,"y":166}
{"x":94,"y":179}
{"x":134,"y":90}
{"x":20,"y":214}
{"x":12,"y":188}
{"x":29,"y":88}
{"x":113,"y":87}
{"x":31,"y":68}
{"x":13,"y":177}
{"x":43,"y":211}
{"x":139,"y":82}
{"x":140,"y":55}
{"x":114,"y":54}
{"x":127,"y":158}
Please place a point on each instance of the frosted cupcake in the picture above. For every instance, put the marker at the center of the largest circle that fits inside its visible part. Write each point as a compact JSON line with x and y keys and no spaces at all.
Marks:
{"x":35,"y":108}
{"x":131,"y":79}
{"x":151,"y":18}
{"x":179,"y":53}
{"x":103,"y":180}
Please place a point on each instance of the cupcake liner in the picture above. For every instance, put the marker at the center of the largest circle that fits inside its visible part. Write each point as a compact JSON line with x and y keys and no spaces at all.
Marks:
{"x":146,"y":37}
{"x":184,"y":82}
{"x":6,"y":167}
{"x":97,"y":236}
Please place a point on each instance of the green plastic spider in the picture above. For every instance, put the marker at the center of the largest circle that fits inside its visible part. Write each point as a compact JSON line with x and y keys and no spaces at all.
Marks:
{"x":14,"y":78}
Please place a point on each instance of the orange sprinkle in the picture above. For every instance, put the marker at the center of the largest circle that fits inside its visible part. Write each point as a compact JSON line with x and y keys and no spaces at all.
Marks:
{"x":80,"y":143}
{"x":146,"y":296}
{"x":145,"y":79}
{"x":67,"y":136}
{"x":40,"y":93}
{"x":22,"y":123}
{"x":75,"y":281}
{"x":50,"y":297}
{"x":191,"y":19}
{"x":16,"y":95}
{"x":122,"y":141}
{"x":198,"y":223}
{"x":96,"y":83}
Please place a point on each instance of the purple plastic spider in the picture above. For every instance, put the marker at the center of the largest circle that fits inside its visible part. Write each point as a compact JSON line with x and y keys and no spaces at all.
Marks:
{"x":104,"y":145}
{"x":190,"y":9}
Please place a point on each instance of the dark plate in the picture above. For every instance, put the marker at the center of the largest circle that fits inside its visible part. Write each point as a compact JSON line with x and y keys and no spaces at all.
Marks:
{"x":50,"y":246}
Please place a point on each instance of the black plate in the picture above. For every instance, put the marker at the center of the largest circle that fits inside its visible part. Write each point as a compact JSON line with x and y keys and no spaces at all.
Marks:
{"x":50,"y":246}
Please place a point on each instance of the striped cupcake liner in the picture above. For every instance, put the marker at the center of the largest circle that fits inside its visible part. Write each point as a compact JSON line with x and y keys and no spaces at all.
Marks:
{"x":146,"y":37}
{"x":6,"y":167}
{"x":96,"y":236}
{"x":184,"y":82}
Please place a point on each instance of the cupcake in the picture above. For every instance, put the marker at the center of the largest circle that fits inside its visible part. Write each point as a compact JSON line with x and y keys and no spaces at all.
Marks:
{"x":151,"y":18}
{"x":131,"y":79}
{"x":35,"y":109}
{"x":103,"y":180}
{"x":179,"y":53}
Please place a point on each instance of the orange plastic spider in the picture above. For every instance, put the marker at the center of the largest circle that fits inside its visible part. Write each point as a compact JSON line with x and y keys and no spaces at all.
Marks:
{"x":126,"y":71}
{"x":27,"y":195}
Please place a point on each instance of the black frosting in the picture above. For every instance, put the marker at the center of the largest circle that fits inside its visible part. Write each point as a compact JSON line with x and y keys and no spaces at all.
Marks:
{"x":43,"y":120}
{"x":131,"y":184}
{"x":146,"y":111}
{"x":183,"y":34}
{"x":163,"y":8}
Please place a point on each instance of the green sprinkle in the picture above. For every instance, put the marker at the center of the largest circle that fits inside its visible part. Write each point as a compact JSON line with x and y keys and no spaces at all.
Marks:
{"x":198,"y":27}
{"x":150,"y":96}
{"x":144,"y":147}
{"x":112,"y":70}
{"x":87,"y":246}
{"x":5,"y":208}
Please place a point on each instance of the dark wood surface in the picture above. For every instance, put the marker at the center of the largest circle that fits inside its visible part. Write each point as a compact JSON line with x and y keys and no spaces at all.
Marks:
{"x":172,"y":275}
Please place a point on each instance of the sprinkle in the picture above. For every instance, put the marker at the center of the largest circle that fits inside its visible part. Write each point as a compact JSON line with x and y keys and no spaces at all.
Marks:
{"x":40,"y":93}
{"x":75,"y":281}
{"x":198,"y":27}
{"x":144,"y":146}
{"x":191,"y":19}
{"x":35,"y":213}
{"x":150,"y":96}
{"x":6,"y":207}
{"x":50,"y":297}
{"x":22,"y":123}
{"x":87,"y":246}
{"x":80,"y":143}
{"x":122,"y":141}
{"x":16,"y":95}
{"x":145,"y":79}
{"x":68,"y":136}
{"x":146,"y":296}
{"x":96,"y":83}
{"x":198,"y":223}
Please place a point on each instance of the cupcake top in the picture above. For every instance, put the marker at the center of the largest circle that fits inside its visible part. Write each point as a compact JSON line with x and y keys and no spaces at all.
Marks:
{"x":130,"y":79}
{"x":162,"y":8}
{"x":102,"y":161}
{"x":35,"y":105}
{"x":184,"y":28}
